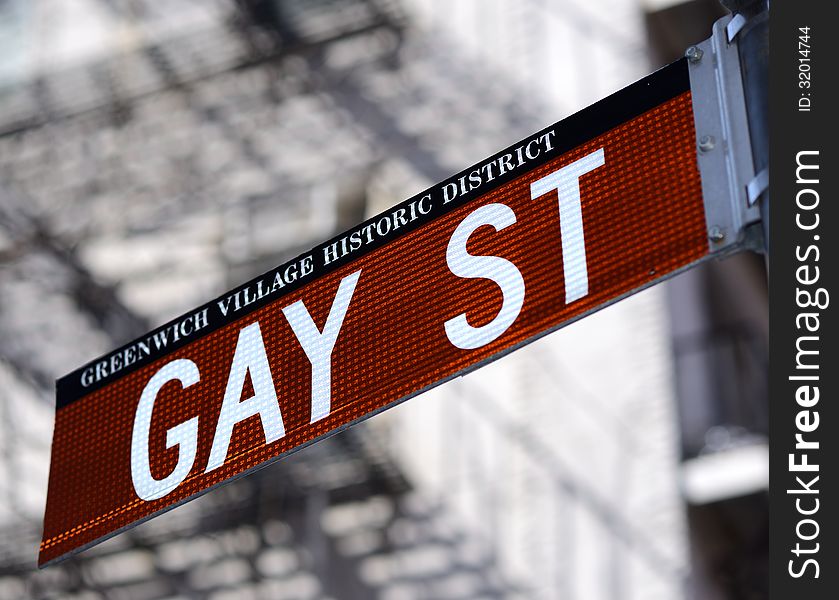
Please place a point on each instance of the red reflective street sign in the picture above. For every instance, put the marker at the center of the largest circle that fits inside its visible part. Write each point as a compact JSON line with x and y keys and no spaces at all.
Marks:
{"x":575,"y":217}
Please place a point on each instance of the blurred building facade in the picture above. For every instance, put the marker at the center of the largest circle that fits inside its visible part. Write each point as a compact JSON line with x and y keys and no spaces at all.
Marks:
{"x":152,"y":155}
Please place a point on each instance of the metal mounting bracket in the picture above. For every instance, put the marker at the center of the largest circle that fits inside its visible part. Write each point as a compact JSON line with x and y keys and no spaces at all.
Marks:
{"x":724,"y":152}
{"x":734,"y":26}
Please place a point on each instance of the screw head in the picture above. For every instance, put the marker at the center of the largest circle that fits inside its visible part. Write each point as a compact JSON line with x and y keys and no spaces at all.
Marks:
{"x":715,"y":234}
{"x":694,"y":54}
{"x":707,"y":143}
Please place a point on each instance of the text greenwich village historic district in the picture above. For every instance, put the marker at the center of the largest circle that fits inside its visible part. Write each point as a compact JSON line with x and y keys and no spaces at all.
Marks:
{"x":303,"y":268}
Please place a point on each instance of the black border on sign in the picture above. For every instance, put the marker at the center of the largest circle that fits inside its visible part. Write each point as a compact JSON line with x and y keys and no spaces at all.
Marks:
{"x":602,"y":116}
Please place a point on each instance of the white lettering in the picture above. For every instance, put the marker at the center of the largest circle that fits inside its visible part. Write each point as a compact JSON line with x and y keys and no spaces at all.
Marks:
{"x":497,"y":269}
{"x":318,"y":345}
{"x":566,"y":182}
{"x":249,"y":357}
{"x":184,"y":435}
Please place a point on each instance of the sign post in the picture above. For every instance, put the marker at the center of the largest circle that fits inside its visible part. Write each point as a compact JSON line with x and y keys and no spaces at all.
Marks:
{"x":571,"y":219}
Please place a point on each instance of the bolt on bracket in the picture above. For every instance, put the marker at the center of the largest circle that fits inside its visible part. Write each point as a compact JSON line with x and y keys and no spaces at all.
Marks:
{"x":724,"y":152}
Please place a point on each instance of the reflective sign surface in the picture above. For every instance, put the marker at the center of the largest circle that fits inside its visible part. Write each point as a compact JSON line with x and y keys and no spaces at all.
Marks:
{"x":568,"y":220}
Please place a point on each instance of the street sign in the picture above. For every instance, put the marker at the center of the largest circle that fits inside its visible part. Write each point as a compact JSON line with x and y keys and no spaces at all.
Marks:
{"x":567,"y":221}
